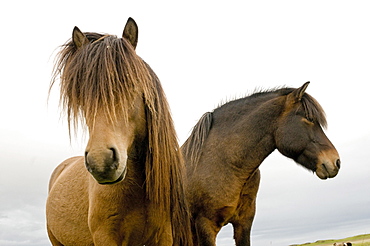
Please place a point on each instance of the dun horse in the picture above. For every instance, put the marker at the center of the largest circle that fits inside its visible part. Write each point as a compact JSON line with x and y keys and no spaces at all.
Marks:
{"x":127,"y":189}
{"x":227,"y":146}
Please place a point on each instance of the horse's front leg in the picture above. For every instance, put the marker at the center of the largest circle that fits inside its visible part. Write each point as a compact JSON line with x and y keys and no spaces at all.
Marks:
{"x":243,"y":224}
{"x":243,"y":220}
{"x":242,"y":234}
{"x":207,"y":231}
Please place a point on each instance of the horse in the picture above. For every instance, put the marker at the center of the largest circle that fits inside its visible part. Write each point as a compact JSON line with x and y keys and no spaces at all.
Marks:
{"x":226,"y":147}
{"x":128,"y":187}
{"x":343,"y":244}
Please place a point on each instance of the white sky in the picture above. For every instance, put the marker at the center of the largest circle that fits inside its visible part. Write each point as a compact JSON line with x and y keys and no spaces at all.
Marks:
{"x":204,"y":52}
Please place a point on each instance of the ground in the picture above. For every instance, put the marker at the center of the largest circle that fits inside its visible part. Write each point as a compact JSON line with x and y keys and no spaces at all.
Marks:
{"x":360,"y":240}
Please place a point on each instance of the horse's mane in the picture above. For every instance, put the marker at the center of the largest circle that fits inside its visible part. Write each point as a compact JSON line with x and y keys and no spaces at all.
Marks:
{"x":193,"y":145}
{"x":312,"y":108}
{"x":105,"y":76}
{"x":192,"y":148}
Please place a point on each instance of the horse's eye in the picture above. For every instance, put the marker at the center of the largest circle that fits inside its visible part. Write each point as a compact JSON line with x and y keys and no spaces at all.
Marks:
{"x":309,"y":121}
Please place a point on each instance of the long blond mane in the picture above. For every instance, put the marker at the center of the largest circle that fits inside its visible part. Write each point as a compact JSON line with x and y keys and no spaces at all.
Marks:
{"x":105,"y":76}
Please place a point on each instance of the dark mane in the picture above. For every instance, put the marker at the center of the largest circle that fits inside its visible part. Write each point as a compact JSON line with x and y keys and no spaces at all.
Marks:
{"x":105,"y":76}
{"x":193,"y":145}
{"x":312,"y":108}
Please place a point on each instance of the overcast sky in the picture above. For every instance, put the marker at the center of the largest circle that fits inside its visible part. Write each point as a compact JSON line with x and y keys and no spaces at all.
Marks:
{"x":204,"y":52}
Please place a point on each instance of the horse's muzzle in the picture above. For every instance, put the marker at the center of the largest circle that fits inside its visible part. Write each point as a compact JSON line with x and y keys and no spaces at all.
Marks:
{"x":328,"y":169}
{"x":105,"y":166}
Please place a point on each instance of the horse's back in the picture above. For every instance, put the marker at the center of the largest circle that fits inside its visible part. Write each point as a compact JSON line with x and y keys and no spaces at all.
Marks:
{"x":68,"y":194}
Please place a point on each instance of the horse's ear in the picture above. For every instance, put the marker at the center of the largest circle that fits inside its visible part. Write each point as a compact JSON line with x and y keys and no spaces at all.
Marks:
{"x":131,"y":32}
{"x":298,"y":93}
{"x":79,"y":39}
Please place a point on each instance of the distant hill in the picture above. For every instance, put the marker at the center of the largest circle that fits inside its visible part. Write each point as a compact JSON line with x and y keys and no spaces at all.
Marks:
{"x":360,"y":240}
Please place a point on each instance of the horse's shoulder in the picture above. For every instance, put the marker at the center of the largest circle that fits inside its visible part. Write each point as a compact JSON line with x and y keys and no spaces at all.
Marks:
{"x":61,"y":167}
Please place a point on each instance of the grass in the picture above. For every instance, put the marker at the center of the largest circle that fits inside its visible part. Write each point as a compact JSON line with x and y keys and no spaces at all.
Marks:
{"x":360,"y":240}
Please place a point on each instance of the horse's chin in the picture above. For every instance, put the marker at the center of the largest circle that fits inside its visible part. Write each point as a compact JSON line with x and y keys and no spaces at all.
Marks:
{"x":321,"y":175}
{"x":115,"y":181}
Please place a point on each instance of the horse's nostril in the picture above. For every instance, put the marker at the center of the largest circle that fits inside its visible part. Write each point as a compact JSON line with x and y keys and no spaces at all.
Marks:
{"x":338,"y":163}
{"x":114,"y":154}
{"x":87,"y":164}
{"x":114,"y":157}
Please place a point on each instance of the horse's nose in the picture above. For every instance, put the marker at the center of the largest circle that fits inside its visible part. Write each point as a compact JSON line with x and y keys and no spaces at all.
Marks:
{"x":328,"y":164}
{"x":101,"y":162}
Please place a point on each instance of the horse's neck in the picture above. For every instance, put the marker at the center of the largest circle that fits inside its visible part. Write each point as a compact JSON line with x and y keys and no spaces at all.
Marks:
{"x":137,"y":155}
{"x":246,"y":134}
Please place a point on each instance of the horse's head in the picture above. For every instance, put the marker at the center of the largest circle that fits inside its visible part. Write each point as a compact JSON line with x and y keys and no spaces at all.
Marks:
{"x":300,"y":136}
{"x":103,"y":82}
{"x":111,"y":131}
{"x":112,"y":134}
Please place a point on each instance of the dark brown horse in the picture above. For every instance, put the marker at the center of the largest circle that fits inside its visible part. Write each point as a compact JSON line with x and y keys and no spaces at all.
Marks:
{"x":227,"y":146}
{"x":128,"y":188}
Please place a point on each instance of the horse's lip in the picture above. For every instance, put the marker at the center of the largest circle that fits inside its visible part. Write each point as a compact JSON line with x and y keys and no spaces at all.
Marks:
{"x":120,"y":178}
{"x":323,"y":177}
{"x":325,"y":173}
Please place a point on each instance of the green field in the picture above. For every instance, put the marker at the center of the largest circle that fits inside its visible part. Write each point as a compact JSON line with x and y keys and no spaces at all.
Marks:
{"x":360,"y":240}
